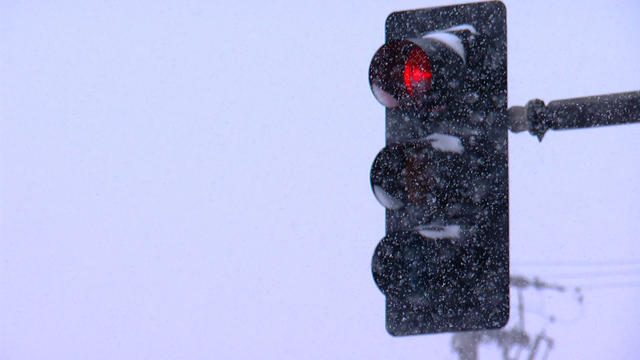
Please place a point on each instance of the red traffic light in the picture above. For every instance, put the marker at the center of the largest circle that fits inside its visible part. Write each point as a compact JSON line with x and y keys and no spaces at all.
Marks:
{"x":399,"y":71}
{"x":417,"y":71}
{"x":422,"y":71}
{"x":443,"y":264}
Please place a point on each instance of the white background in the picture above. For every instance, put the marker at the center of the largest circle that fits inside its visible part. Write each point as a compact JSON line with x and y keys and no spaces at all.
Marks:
{"x":190,"y":180}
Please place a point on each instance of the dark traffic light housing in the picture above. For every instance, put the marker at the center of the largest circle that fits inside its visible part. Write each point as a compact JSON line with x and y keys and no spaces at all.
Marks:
{"x":443,"y":175}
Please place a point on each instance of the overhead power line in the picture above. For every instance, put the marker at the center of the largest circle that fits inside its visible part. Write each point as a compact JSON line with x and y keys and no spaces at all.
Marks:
{"x":610,"y":285}
{"x":592,"y":274}
{"x":577,"y":263}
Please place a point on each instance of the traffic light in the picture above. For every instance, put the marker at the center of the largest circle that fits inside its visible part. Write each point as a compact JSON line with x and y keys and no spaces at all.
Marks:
{"x":443,"y":174}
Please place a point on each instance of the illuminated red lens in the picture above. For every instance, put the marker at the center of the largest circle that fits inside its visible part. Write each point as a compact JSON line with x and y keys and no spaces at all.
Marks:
{"x":400,"y":74}
{"x":417,"y":71}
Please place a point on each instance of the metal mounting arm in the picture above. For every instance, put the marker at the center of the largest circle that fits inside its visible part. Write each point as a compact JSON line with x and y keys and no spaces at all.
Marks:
{"x":578,"y":113}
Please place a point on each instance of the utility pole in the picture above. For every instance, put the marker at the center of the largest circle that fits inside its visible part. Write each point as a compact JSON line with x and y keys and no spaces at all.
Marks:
{"x":513,"y":342}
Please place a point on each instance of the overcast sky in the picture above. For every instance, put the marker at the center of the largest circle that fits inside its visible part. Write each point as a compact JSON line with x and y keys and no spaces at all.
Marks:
{"x":190,"y":180}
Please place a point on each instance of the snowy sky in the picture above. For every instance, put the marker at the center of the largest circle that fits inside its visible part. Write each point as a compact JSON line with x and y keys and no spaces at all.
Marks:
{"x":191,"y":180}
